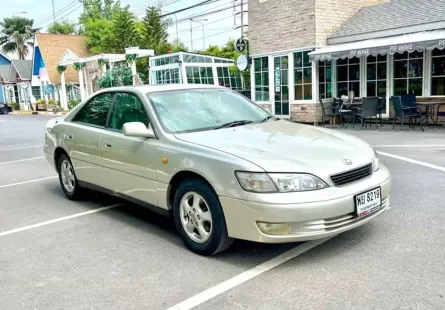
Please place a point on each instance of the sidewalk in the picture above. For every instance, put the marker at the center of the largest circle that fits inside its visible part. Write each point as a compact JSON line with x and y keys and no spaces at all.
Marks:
{"x":38,"y":113}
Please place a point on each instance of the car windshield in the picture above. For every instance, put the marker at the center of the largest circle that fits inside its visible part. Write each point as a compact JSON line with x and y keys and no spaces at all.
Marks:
{"x":204,"y":109}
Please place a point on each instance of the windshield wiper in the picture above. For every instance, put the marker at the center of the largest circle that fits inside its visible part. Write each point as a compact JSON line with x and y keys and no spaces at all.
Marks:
{"x":233,"y":124}
{"x":266,"y":119}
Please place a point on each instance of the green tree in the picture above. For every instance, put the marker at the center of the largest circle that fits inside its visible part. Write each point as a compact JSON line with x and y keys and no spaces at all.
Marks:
{"x":98,"y":33}
{"x":99,"y":9}
{"x":123,"y":32}
{"x":178,"y":46}
{"x":63,"y":27}
{"x":15,"y":33}
{"x":154,"y":31}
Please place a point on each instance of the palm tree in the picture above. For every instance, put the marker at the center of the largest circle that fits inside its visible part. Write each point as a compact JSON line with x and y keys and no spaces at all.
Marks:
{"x":15,"y":33}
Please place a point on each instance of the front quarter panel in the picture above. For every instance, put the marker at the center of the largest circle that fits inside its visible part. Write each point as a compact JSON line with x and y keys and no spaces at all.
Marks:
{"x":217,"y":167}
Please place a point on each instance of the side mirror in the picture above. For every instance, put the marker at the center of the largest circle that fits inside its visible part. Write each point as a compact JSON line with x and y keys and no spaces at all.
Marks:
{"x":138,"y":129}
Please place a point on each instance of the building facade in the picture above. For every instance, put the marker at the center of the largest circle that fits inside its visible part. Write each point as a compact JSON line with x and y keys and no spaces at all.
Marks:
{"x":303,"y":50}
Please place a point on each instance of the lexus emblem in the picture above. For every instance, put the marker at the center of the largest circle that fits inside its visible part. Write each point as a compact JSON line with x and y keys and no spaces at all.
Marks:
{"x":347,"y":161}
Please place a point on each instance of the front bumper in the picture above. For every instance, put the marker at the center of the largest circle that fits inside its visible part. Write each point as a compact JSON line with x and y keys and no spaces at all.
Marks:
{"x":331,"y":211}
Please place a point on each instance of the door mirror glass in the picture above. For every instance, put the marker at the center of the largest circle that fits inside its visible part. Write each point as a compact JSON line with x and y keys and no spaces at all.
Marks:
{"x":137,"y":129}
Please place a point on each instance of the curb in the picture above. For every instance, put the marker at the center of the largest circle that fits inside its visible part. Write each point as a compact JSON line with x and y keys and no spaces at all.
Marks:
{"x":37,"y":113}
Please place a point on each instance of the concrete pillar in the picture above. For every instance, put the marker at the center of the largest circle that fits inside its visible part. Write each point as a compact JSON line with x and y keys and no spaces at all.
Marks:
{"x":133,"y":71}
{"x":63,"y":100}
{"x":104,"y":69}
{"x":45,"y":83}
{"x":82,"y":86}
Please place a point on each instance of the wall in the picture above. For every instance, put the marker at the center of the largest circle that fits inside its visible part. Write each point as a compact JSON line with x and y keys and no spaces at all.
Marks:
{"x":331,"y":14}
{"x":276,"y":25}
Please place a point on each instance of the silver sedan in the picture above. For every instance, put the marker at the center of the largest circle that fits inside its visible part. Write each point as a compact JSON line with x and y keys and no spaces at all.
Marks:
{"x":219,"y":164}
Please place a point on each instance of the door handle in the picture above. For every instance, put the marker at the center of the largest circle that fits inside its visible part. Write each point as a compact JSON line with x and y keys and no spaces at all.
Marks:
{"x":107,"y":145}
{"x":69,"y":136}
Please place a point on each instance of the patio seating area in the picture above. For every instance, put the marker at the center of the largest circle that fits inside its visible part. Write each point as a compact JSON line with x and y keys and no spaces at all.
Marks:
{"x":407,"y":112}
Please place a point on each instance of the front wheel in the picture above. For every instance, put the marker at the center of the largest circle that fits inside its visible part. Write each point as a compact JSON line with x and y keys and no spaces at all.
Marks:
{"x":199,"y":218}
{"x":67,"y":178}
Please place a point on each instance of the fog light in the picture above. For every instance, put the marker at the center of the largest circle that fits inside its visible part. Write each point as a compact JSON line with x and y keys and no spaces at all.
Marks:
{"x":274,"y":228}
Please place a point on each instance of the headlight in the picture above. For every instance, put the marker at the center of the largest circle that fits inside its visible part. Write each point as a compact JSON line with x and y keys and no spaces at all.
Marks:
{"x":297,"y":182}
{"x":279,"y":182}
{"x":376,"y":163}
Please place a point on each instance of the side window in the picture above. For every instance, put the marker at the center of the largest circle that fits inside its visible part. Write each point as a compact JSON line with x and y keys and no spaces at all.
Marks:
{"x":128,"y":108}
{"x":95,"y":112}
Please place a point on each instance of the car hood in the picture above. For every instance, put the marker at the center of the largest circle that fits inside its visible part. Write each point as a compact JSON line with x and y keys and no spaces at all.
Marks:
{"x":283,"y":146}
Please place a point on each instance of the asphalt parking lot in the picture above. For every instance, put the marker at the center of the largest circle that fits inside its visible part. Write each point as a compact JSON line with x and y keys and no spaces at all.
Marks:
{"x":103,"y":253}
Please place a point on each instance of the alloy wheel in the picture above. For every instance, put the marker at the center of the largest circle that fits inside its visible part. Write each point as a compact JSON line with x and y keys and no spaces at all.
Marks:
{"x":196,"y":218}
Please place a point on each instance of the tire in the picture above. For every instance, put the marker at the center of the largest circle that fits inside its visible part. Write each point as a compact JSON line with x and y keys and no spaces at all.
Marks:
{"x":215,"y":238}
{"x":4,"y":111}
{"x":68,"y":182}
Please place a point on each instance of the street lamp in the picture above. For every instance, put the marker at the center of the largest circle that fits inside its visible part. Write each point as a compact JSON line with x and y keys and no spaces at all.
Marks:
{"x":176,"y":22}
{"x":203,"y":34}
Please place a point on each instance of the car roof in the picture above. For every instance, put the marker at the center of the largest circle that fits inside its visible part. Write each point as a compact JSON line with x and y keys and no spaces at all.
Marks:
{"x":162,"y":87}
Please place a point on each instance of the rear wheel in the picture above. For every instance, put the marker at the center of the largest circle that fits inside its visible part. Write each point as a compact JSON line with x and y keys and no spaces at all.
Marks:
{"x":199,"y":218}
{"x":4,"y":111}
{"x":67,"y":178}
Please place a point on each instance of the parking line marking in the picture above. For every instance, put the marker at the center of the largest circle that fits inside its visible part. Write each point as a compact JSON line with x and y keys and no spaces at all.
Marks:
{"x":26,"y":182}
{"x":411,"y":145}
{"x":413,"y":161}
{"x":20,"y":148}
{"x":60,"y":219}
{"x":18,"y":161}
{"x":246,"y":276}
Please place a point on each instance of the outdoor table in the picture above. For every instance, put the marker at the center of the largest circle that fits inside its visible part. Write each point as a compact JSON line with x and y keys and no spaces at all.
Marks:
{"x":429,"y":111}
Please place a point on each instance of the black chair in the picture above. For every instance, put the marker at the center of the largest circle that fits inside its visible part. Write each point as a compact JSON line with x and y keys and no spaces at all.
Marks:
{"x":402,"y":112}
{"x":409,"y":100}
{"x":324,"y":114}
{"x":368,"y":109}
{"x":380,"y":107}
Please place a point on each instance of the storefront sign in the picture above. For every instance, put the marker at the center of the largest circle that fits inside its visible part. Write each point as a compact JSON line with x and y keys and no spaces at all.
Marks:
{"x":240,"y":45}
{"x":277,"y":78}
{"x":379,"y":50}
{"x":401,"y":48}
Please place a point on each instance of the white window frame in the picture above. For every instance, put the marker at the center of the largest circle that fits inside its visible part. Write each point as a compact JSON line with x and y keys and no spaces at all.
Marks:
{"x":424,"y":69}
{"x":430,"y":76}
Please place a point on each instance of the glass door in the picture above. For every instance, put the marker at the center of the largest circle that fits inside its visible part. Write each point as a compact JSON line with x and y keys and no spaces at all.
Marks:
{"x":281,"y":84}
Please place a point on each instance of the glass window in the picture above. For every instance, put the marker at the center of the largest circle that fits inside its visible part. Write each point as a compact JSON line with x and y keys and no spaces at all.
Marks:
{"x":202,"y":109}
{"x":95,"y":112}
{"x":438,"y":73}
{"x":127,"y":108}
{"x":408,"y":73}
{"x":325,"y":79}
{"x":228,"y":78}
{"x":348,"y":76}
{"x":167,"y":76}
{"x":281,"y":71}
{"x":261,"y":73}
{"x":376,"y":76}
{"x":302,"y":76}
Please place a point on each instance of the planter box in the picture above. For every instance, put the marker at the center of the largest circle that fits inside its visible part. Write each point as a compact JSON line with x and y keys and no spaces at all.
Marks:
{"x":50,"y":107}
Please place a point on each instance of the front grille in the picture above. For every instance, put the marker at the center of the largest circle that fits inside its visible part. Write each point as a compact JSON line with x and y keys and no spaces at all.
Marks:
{"x":352,"y":175}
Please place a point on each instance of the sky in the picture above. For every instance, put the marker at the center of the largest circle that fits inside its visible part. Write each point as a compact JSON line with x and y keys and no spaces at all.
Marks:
{"x":218,"y":27}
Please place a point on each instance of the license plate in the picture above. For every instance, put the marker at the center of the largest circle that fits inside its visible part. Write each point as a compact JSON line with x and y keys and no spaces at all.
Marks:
{"x":368,"y":202}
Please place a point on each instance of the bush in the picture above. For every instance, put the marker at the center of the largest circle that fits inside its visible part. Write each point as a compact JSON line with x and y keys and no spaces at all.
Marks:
{"x":73,"y":103}
{"x":51,"y":101}
{"x":15,"y":106}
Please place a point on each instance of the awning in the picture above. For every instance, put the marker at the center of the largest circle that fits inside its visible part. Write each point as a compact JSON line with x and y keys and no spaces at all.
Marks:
{"x":389,"y":45}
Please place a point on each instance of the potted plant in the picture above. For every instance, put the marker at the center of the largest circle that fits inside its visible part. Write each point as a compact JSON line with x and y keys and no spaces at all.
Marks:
{"x":41,"y":104}
{"x":51,"y":105}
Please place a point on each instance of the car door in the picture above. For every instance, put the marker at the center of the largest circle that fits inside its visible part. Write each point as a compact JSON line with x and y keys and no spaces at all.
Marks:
{"x":82,"y":138}
{"x":128,"y":162}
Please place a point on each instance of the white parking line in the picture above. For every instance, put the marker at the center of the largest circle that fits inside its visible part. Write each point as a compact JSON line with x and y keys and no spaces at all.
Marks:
{"x":413,"y":161}
{"x":246,"y":276}
{"x":410,"y":145}
{"x":18,"y":161}
{"x":20,"y":148}
{"x":60,"y":219}
{"x":26,"y":182}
